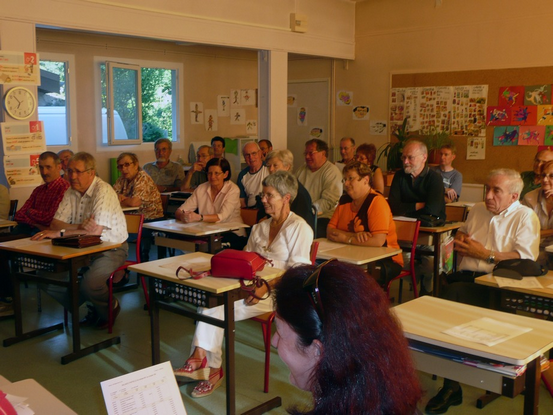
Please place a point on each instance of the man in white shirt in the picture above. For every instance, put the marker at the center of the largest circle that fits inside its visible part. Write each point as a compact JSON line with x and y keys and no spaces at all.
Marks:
{"x":90,"y":207}
{"x":322,"y":179}
{"x":251,"y":178}
{"x":497,"y":229}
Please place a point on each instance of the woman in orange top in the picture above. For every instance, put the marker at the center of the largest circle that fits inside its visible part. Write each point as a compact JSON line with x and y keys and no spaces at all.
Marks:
{"x":363,"y":217}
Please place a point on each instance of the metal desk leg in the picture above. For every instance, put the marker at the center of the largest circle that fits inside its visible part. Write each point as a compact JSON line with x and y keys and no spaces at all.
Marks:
{"x":437,"y":259}
{"x":532,"y":393}
{"x":230,"y":331}
{"x":154,"y":322}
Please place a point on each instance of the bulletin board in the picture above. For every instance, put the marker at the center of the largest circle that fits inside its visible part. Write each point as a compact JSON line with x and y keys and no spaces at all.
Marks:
{"x":519,"y":158}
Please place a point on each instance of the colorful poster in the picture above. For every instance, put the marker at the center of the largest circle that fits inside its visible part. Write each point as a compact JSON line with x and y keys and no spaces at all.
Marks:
{"x":443,"y":108}
{"x":397,"y":107}
{"x":537,"y":95}
{"x":511,"y":95}
{"x":316,"y":132}
{"x":411,"y":108}
{"x":247,"y":97}
{"x":505,"y":136}
{"x":427,"y":109}
{"x":531,"y":135}
{"x":545,"y":115}
{"x":302,"y":117}
{"x":22,"y":170}
{"x":498,"y":116}
{"x":523,"y":115}
{"x":344,"y":98}
{"x":292,"y":101}
{"x":548,"y":139}
{"x":19,"y":68}
{"x":361,"y":112}
{"x":469,"y":110}
{"x":23,"y":137}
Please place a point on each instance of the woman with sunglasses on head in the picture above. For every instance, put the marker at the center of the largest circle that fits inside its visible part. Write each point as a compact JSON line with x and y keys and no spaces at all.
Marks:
{"x":540,"y":201}
{"x":285,"y":239}
{"x":363,"y":217}
{"x":341,"y":342}
{"x":135,"y":188}
{"x":366,"y":153}
{"x":217,"y":200}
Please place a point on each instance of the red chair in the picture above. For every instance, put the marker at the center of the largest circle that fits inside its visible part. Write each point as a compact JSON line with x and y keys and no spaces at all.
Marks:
{"x":266,"y":321}
{"x":407,"y":231}
{"x":134,"y":225}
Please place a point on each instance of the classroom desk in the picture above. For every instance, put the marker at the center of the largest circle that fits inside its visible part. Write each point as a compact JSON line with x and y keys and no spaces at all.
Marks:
{"x":178,"y":234}
{"x":4,"y":223}
{"x":424,"y":319}
{"x":206,"y":292}
{"x":433,"y":236}
{"x":358,"y":255}
{"x":130,"y":208}
{"x":43,"y":255}
{"x":39,"y":399}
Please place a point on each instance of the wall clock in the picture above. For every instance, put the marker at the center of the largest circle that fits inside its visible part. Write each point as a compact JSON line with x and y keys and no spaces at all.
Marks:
{"x":19,"y":103}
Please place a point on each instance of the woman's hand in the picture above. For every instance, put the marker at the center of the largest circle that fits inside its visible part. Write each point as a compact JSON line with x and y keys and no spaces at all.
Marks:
{"x":121,"y":197}
{"x":190,"y":216}
{"x":363,"y":237}
{"x":337,"y":235}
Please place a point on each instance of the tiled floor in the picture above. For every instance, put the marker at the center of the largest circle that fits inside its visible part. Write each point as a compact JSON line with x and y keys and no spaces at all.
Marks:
{"x":78,"y":383}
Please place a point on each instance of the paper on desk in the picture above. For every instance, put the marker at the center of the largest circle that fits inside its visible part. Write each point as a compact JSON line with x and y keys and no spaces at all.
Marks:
{"x":526,"y":282}
{"x":18,"y":403}
{"x":486,"y":331}
{"x":153,"y":390}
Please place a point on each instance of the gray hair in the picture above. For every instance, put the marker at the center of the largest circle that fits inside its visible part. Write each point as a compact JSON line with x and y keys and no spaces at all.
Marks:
{"x":421,"y":146}
{"x":87,"y":158}
{"x":251,"y":142}
{"x":163,"y":140}
{"x":209,"y":149}
{"x":285,"y":183}
{"x":515,"y":183}
{"x":285,"y":156}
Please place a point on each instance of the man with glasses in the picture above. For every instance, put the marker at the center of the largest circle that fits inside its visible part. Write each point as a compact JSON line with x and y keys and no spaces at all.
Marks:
{"x":167,"y":175}
{"x":90,"y":207}
{"x":197,"y":174}
{"x":322,"y":179}
{"x":347,"y":151}
{"x":531,"y":178}
{"x":497,"y":229}
{"x":251,"y":178}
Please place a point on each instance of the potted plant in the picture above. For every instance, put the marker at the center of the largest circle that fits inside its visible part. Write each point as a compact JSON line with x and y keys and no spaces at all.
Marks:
{"x":392,"y":150}
{"x":434,"y":141}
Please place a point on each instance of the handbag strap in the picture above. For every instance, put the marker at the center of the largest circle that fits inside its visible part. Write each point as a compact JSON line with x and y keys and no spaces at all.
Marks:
{"x":257,"y":282}
{"x":192,"y":273}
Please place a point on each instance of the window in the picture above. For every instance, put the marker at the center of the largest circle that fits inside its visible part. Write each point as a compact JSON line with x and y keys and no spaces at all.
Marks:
{"x":54,"y":99}
{"x":158,"y":117}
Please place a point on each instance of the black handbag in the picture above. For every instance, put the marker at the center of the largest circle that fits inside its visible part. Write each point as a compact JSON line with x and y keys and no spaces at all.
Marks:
{"x":431,"y":221}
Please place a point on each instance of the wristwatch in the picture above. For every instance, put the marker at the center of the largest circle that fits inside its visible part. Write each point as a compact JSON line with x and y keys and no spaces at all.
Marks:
{"x":201,"y":218}
{"x":62,"y":232}
{"x":491,"y":258}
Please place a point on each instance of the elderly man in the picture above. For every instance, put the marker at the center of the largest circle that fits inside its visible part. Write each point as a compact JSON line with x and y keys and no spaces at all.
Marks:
{"x":452,"y":178}
{"x":250,"y":179}
{"x":90,"y":207}
{"x":266,"y":147}
{"x":498,"y":229}
{"x":322,"y":179}
{"x":167,"y":175}
{"x":347,"y":151}
{"x":64,"y":156}
{"x":418,"y":190}
{"x":218,"y":146}
{"x":197,"y":174}
{"x":531,"y":178}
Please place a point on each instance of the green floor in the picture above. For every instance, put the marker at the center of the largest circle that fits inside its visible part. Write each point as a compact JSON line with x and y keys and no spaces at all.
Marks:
{"x":78,"y":383}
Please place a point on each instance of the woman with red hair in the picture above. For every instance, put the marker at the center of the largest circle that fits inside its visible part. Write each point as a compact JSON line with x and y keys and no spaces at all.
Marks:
{"x":366,"y":153}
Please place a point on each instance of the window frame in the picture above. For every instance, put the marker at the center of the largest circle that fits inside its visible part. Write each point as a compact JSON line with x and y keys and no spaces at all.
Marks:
{"x":70,"y":98}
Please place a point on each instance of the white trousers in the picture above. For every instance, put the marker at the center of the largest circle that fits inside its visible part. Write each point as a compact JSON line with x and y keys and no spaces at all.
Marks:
{"x":210,"y":338}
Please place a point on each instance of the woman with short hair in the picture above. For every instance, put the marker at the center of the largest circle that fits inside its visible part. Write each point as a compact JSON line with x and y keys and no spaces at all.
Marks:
{"x":366,"y":153}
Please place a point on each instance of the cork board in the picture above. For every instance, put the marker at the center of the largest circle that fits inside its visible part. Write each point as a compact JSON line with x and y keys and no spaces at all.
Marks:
{"x":519,"y":158}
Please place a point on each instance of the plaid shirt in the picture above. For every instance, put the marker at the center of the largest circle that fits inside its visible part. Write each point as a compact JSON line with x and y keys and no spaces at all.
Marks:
{"x":40,"y":208}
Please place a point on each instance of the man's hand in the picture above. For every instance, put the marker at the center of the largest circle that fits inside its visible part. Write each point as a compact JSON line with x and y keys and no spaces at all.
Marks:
{"x":197,"y":166}
{"x":121,"y":197}
{"x":451,"y":193}
{"x":469,"y":247}
{"x":91,"y":227}
{"x":45,"y":234}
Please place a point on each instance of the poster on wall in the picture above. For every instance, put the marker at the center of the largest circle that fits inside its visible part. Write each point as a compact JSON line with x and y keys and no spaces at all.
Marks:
{"x":235,"y":98}
{"x":302,"y":117}
{"x":223,"y":105}
{"x":22,"y":170}
{"x":211,"y":120}
{"x":475,"y":148}
{"x":378,"y":127}
{"x":19,"y":68}
{"x":361,"y":112}
{"x":196,"y":113}
{"x":238,"y":116}
{"x":247,"y":96}
{"x":23,"y":137}
{"x":344,"y":98}
{"x":251,"y":127}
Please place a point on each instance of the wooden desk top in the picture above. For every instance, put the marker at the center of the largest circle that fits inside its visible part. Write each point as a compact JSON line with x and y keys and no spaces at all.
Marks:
{"x":545,"y":281}
{"x":441,"y":229}
{"x":165,"y":269}
{"x":40,"y":400}
{"x":425,"y":318}
{"x":4,"y":223}
{"x":45,"y":248}
{"x":353,"y":254}
{"x":193,"y":229}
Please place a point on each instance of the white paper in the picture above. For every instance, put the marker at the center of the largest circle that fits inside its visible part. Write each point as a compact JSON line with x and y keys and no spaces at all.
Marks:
{"x":486,"y":331}
{"x":526,"y":282}
{"x":149,"y":391}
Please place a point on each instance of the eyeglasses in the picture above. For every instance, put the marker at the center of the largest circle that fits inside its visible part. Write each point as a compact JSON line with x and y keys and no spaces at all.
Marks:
{"x":269,"y":196}
{"x":311,"y":285}
{"x":250,"y":155}
{"x":543,"y":176}
{"x":77,"y":172}
{"x":214,"y":173}
{"x":125,"y":165}
{"x":310,"y":153}
{"x":351,"y":179}
{"x":410,"y":158}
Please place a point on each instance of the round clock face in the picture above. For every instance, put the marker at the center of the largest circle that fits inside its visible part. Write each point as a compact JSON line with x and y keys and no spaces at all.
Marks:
{"x":19,"y":103}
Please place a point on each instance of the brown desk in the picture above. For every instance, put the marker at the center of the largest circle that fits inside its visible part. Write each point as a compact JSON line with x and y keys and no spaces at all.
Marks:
{"x":39,"y":399}
{"x":165,"y":288}
{"x":354,"y":254}
{"x":4,"y":223}
{"x":42,"y":255}
{"x":433,"y":236}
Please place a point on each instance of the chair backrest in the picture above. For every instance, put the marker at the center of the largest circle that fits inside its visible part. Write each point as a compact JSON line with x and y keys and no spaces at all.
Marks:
{"x":134,"y":225}
{"x":315,"y":216}
{"x":313,"y":254}
{"x":249,"y":216}
{"x":13,"y":209}
{"x":455,"y":213}
{"x":164,"y":203}
{"x":407,"y":231}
